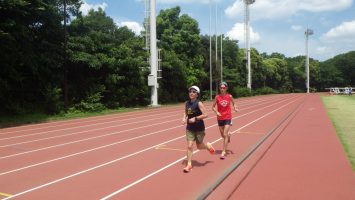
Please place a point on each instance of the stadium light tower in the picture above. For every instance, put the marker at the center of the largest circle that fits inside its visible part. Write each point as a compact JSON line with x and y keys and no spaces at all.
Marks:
{"x":307,"y":33}
{"x":247,"y":38}
{"x":153,"y":76}
{"x":210,"y":50}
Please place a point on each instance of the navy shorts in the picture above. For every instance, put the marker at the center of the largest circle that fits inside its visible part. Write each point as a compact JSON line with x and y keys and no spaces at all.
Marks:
{"x":224,"y":122}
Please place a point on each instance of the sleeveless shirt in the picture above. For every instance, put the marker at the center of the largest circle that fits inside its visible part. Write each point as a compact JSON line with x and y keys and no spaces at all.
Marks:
{"x":224,"y":106}
{"x":192,"y":110}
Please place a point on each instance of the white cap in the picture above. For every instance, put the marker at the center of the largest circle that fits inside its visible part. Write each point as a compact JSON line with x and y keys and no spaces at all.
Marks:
{"x":195,"y":88}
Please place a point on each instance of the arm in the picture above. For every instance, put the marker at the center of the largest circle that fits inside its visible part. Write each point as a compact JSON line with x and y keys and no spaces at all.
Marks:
{"x":234,"y":104}
{"x":214,"y":107}
{"x":184,"y":118}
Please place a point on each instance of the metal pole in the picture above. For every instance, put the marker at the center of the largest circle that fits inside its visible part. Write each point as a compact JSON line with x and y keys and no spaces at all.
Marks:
{"x":248,"y":46}
{"x":65,"y":68}
{"x":221,"y":49}
{"x":307,"y":65}
{"x":210,"y":51}
{"x":247,"y":38}
{"x":153,"y":54}
{"x":216,"y":39}
{"x":221,"y":57}
{"x":307,"y":33}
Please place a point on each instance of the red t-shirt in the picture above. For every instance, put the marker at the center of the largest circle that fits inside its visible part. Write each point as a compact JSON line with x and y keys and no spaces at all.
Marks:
{"x":224,"y":106}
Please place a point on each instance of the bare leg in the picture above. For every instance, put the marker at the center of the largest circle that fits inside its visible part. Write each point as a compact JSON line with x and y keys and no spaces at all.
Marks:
{"x":207,"y":146}
{"x":189,"y":152}
{"x":225,"y":138}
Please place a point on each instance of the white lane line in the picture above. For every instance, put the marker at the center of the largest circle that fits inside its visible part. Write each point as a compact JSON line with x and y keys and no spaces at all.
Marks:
{"x":84,"y":126}
{"x":89,"y":130}
{"x":127,"y":156}
{"x":182,"y":158}
{"x":86,"y":139}
{"x":72,"y":121}
{"x":104,"y":117}
{"x":105,"y":146}
{"x":109,"y":134}
{"x":74,"y":133}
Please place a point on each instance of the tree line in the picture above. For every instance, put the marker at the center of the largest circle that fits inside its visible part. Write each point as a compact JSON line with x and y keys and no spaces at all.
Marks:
{"x":89,"y":63}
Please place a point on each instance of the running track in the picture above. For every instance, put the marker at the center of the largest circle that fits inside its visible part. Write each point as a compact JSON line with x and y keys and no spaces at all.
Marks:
{"x":131,"y":155}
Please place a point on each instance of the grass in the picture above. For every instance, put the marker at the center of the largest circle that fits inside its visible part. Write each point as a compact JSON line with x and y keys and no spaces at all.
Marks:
{"x":341,"y":110}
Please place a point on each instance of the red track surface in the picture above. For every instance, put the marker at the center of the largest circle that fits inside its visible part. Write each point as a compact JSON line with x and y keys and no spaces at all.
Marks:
{"x":141,"y":154}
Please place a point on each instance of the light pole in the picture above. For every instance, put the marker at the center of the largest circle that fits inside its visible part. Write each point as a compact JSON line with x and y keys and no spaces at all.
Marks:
{"x":210,"y":52}
{"x":247,"y":39}
{"x":153,"y":76}
{"x":307,"y":33}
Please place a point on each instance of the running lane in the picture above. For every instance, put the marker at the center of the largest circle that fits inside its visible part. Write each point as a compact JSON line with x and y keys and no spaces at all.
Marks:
{"x":133,"y":162}
{"x":307,"y":161}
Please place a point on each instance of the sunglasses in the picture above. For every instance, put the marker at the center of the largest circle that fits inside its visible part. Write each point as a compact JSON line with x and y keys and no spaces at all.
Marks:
{"x":193,"y":91}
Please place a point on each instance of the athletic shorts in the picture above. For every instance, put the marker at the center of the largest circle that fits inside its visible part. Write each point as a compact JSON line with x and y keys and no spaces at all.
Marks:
{"x":195,"y":136}
{"x":224,"y":122}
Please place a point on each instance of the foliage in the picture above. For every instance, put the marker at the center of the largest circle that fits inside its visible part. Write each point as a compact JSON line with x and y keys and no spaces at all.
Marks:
{"x":182,"y":65}
{"x":338,"y":71}
{"x":241,"y":92}
{"x":92,"y":64}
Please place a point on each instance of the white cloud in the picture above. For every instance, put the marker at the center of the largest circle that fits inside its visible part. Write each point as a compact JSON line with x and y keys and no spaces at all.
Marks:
{"x":134,"y":26}
{"x":85,"y":7}
{"x":186,"y":1}
{"x":237,"y":33}
{"x":296,"y":27}
{"x":279,"y":9}
{"x":345,"y":32}
{"x":323,"y":50}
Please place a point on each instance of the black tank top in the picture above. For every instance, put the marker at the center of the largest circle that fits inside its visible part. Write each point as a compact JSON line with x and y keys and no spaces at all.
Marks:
{"x":192,"y":110}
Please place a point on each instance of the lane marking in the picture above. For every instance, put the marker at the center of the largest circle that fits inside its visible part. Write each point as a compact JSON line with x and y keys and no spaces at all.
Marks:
{"x":250,"y":133}
{"x":91,"y":138}
{"x":5,"y":195}
{"x":113,"y":116}
{"x":179,"y":160}
{"x":90,"y":130}
{"x":81,"y":120}
{"x":122,"y":141}
{"x":164,"y":147}
{"x":138,"y":152}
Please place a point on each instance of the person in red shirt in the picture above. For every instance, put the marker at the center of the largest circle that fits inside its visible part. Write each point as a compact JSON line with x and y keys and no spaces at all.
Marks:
{"x":224,"y":102}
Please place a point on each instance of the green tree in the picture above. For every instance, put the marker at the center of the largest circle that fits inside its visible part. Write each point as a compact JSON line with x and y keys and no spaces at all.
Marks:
{"x":105,"y":62}
{"x":31,"y":54}
{"x":182,"y":64}
{"x":276,"y":74}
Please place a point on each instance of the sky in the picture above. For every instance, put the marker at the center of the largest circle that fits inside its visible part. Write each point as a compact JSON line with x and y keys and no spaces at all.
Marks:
{"x":275,"y":25}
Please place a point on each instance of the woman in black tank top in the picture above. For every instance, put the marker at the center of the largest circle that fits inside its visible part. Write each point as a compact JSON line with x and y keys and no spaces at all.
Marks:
{"x":194,"y":114}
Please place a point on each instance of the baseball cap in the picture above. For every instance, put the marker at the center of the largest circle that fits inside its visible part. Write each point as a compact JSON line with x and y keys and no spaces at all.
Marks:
{"x":195,"y":88}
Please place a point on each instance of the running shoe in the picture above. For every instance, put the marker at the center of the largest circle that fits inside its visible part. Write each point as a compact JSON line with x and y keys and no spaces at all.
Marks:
{"x":223,"y":155}
{"x":188,"y":168}
{"x":210,"y":148}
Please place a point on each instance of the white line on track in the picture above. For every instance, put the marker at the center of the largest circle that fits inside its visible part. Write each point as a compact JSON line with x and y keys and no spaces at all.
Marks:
{"x":74,"y":133}
{"x":104,"y":117}
{"x":130,"y":155}
{"x":100,"y":136}
{"x":182,"y":158}
{"x":115,"y":143}
{"x":85,"y":126}
{"x":91,"y":130}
